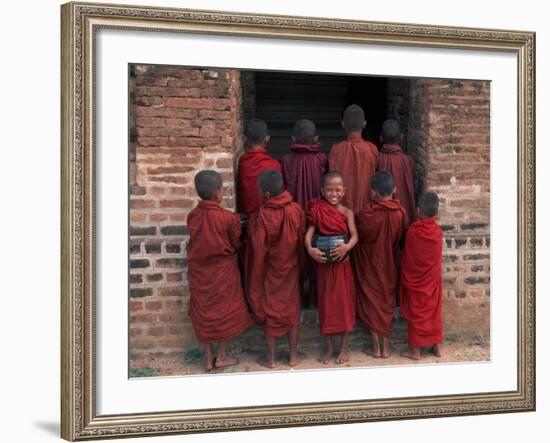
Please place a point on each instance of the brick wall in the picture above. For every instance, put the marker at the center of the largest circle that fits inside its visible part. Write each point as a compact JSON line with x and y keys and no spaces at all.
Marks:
{"x":183,"y":120}
{"x":449,"y":131}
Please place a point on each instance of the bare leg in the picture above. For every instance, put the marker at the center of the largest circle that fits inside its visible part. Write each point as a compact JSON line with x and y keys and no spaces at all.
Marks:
{"x":437,"y":350}
{"x":386,"y":347}
{"x":325,"y":358}
{"x":343,"y":356}
{"x":209,"y":358}
{"x":413,"y":353}
{"x":295,"y":358}
{"x":376,"y":353}
{"x":269,"y":360}
{"x":222,"y":359}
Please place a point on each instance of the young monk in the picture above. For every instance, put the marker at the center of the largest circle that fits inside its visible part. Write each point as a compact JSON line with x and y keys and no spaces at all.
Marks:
{"x":251,"y":164}
{"x":304,"y":166}
{"x":355,"y":158}
{"x":274,"y":261}
{"x":421,"y":288}
{"x":218,"y":309}
{"x":335,"y":286}
{"x":380,"y":226}
{"x":391,"y":158}
{"x":303,"y":170}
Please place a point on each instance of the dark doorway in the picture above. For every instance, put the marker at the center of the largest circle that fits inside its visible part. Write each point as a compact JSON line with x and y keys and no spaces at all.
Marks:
{"x":281,"y":98}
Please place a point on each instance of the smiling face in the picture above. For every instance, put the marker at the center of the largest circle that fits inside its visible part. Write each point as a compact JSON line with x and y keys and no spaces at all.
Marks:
{"x":334,"y":190}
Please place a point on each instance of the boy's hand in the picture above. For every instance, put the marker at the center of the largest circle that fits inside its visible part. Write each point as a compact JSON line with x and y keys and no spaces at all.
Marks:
{"x":317,"y":255}
{"x":339,"y":251}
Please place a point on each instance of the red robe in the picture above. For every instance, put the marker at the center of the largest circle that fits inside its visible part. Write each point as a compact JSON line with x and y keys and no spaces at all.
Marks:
{"x":356,"y":159}
{"x":335,"y":287}
{"x":391,"y":158}
{"x":380,"y":227}
{"x":274,"y":261}
{"x":421,"y":287}
{"x":251,"y":164}
{"x":218,"y":308}
{"x":303,"y":169}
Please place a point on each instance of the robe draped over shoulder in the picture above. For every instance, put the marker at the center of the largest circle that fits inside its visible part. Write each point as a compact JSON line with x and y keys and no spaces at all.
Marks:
{"x":274,"y":260}
{"x":335,"y":286}
{"x":392,"y":159}
{"x":380,"y":227}
{"x":421,"y":283}
{"x":356,"y":160}
{"x":217,"y":307}
{"x":303,"y":170}
{"x":251,"y":164}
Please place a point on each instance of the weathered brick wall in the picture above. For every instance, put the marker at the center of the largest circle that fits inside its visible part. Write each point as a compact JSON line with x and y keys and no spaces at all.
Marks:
{"x":449,"y":133}
{"x":185,"y":120}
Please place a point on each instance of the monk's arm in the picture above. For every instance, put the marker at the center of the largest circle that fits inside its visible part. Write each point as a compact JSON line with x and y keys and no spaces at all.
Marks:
{"x":339,"y":251}
{"x":315,"y":253}
{"x":255,"y":266}
{"x":235,"y":232}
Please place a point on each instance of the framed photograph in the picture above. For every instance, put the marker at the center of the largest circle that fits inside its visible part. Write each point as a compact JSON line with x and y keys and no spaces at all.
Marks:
{"x":151,"y":96}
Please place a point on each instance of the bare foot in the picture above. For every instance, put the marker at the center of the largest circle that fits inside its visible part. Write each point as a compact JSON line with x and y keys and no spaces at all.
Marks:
{"x":222,"y":362}
{"x":386,"y":347}
{"x":412,"y":354}
{"x":266,"y":362}
{"x":437,"y":350}
{"x":325,"y":358}
{"x":209,"y":364}
{"x":375,"y":352}
{"x":343,"y":357}
{"x":295,"y":360}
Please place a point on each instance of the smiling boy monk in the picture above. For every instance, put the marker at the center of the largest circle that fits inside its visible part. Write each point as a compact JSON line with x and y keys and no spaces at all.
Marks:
{"x":217,"y":307}
{"x":274,"y":262}
{"x":421,"y":286}
{"x":380,"y":226}
{"x":355,"y":159}
{"x":335,"y":286}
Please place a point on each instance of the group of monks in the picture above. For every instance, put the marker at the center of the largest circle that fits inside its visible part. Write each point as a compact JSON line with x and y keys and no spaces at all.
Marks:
{"x":391,"y":253}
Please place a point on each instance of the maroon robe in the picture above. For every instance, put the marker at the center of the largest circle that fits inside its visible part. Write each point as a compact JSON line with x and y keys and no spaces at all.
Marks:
{"x":303,"y":170}
{"x":380,"y":227}
{"x":274,"y":261}
{"x":391,"y":158}
{"x":335,"y":286}
{"x":251,"y":164}
{"x":217,"y":307}
{"x":356,"y":160}
{"x":421,"y":286}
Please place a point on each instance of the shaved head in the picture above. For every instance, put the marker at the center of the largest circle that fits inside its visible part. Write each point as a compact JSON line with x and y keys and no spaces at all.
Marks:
{"x":353,"y":118}
{"x":207,"y":182}
{"x":428,"y":203}
{"x":304,"y":131}
{"x":271,"y":181}
{"x":330,"y":175}
{"x":255,"y":131}
{"x":391,"y":132}
{"x":382,"y":183}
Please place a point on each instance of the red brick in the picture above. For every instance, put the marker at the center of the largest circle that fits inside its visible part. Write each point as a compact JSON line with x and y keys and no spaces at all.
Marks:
{"x":136,"y":306}
{"x":224,"y":163}
{"x":153,"y":305}
{"x":173,"y":277}
{"x":142,"y":204}
{"x":172,"y":316}
{"x":182,"y":203}
{"x":197,"y":103}
{"x":158,"y":217}
{"x":173,"y":292}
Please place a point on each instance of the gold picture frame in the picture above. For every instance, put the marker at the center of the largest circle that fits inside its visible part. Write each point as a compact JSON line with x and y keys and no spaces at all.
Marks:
{"x":80,"y":21}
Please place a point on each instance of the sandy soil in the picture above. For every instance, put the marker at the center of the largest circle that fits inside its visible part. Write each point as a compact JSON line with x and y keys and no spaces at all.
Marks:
{"x":191,"y":360}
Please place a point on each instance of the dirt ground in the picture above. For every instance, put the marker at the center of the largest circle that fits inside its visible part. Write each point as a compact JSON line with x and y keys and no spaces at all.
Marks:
{"x":191,"y":360}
